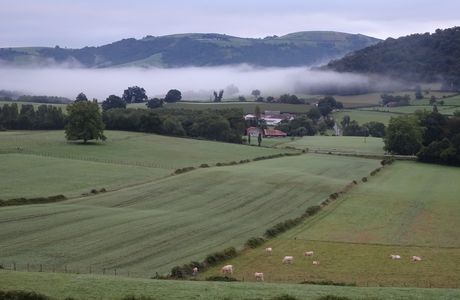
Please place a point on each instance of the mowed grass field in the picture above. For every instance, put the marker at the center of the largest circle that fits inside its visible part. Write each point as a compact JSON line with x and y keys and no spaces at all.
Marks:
{"x":152,"y":227}
{"x":92,"y":287}
{"x":364,"y":116}
{"x":344,"y":144}
{"x":407,"y":209}
{"x":43,"y":163}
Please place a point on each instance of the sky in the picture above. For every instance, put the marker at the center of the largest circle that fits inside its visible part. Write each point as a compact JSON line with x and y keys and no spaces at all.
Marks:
{"x":79,"y":23}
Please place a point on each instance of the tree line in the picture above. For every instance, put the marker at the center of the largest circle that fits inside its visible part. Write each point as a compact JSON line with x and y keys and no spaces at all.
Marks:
{"x":26,"y":117}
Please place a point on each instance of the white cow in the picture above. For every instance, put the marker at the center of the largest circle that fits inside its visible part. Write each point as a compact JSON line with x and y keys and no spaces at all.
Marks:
{"x":308,"y":253}
{"x":269,"y":250}
{"x":288,"y":259}
{"x":416,"y":258}
{"x":395,"y":256}
{"x":195,"y":271}
{"x":228,"y":269}
{"x":259,"y":276}
{"x":316,"y":262}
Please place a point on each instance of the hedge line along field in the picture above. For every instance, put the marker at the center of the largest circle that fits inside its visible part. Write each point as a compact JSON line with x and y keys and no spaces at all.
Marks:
{"x":443,"y":109}
{"x":152,"y":227}
{"x":247,"y":107}
{"x":42,"y":163}
{"x":407,"y":209}
{"x":345,"y":144}
{"x":93,"y":287}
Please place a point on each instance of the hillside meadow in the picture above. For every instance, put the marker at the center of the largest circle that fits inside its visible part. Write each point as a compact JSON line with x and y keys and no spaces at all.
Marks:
{"x":93,"y":287}
{"x":407,"y":209}
{"x":152,"y":227}
{"x":341,"y":144}
{"x":55,"y":166}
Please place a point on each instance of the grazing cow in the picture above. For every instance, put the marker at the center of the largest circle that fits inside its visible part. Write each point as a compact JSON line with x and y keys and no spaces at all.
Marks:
{"x":395,"y":256}
{"x":288,"y":259}
{"x":316,"y":262}
{"x":308,"y":253}
{"x":269,"y":250}
{"x":259,"y":276}
{"x":195,"y":271}
{"x":228,"y":269}
{"x":416,"y":258}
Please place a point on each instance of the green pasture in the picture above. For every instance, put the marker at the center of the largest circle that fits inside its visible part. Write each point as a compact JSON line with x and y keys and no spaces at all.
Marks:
{"x":130,"y":148}
{"x":350,"y":263}
{"x":364,"y":100}
{"x":364,"y":116}
{"x":345,"y":144}
{"x":408,"y":209}
{"x":409,"y":203}
{"x":247,"y":107}
{"x":152,"y":227}
{"x":35,"y":176}
{"x":443,"y":109}
{"x":92,"y":287}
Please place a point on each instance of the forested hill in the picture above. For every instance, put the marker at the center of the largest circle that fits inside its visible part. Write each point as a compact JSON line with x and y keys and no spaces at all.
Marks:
{"x":421,"y":57}
{"x":295,"y":49}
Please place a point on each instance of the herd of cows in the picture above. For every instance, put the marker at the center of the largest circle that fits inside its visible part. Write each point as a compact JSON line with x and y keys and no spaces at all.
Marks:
{"x":259,"y":276}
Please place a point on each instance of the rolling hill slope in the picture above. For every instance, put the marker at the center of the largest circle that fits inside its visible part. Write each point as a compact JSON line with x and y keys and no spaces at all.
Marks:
{"x":200,"y":49}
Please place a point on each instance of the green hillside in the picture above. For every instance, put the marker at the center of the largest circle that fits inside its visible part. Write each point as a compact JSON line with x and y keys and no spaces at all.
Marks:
{"x":420,"y":57}
{"x":407,"y":209}
{"x":152,"y":227}
{"x":200,"y":49}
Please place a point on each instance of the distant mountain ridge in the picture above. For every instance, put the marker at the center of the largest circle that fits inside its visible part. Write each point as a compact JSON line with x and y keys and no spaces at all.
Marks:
{"x":418,"y":57}
{"x":199,"y":49}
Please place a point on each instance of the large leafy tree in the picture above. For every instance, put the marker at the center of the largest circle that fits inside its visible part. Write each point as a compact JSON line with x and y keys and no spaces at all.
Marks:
{"x":404,"y":135}
{"x":173,"y":96}
{"x":84,"y":122}
{"x":134,"y":94}
{"x":113,"y":102}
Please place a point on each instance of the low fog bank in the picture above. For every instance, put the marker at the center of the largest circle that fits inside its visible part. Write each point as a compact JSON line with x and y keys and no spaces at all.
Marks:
{"x":195,"y":83}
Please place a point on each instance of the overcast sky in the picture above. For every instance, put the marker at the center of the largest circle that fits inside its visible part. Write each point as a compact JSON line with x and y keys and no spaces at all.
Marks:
{"x":78,"y":23}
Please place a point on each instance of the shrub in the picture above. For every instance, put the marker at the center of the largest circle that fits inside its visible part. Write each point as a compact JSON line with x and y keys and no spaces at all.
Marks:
{"x":255,"y":242}
{"x":333,"y":297}
{"x":221,"y":278}
{"x":312,"y":210}
{"x":183,"y":170}
{"x":22,"y":295}
{"x":103,"y":190}
{"x":218,"y":257}
{"x":281,"y":227}
{"x":364,"y":179}
{"x":328,"y":282}
{"x":334,"y":196}
{"x":354,"y":182}
{"x":284,"y":297}
{"x":94,"y":191}
{"x":204,"y":166}
{"x":137,"y":298}
{"x":219,"y":164}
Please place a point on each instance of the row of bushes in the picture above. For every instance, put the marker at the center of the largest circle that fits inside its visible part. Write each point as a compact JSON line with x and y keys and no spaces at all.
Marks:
{"x":38,"y":200}
{"x":233,"y":163}
{"x":328,"y":282}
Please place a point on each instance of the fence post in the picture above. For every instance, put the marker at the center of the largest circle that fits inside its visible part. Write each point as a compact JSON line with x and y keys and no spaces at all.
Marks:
{"x":14,"y":266}
{"x":65,"y":268}
{"x":115,"y":271}
{"x":103,"y":271}
{"x":41,"y":268}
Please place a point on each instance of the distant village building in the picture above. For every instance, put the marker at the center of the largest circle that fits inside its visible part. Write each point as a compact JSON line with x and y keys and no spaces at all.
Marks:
{"x":253,"y":131}
{"x":271,"y":118}
{"x":274,"y":133}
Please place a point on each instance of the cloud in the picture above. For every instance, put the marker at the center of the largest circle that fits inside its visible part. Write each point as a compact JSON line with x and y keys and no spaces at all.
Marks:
{"x":91,"y":23}
{"x":197,"y":83}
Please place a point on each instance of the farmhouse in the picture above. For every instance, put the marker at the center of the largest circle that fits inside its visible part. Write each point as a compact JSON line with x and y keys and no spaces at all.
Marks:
{"x":274,"y":133}
{"x":271,"y":118}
